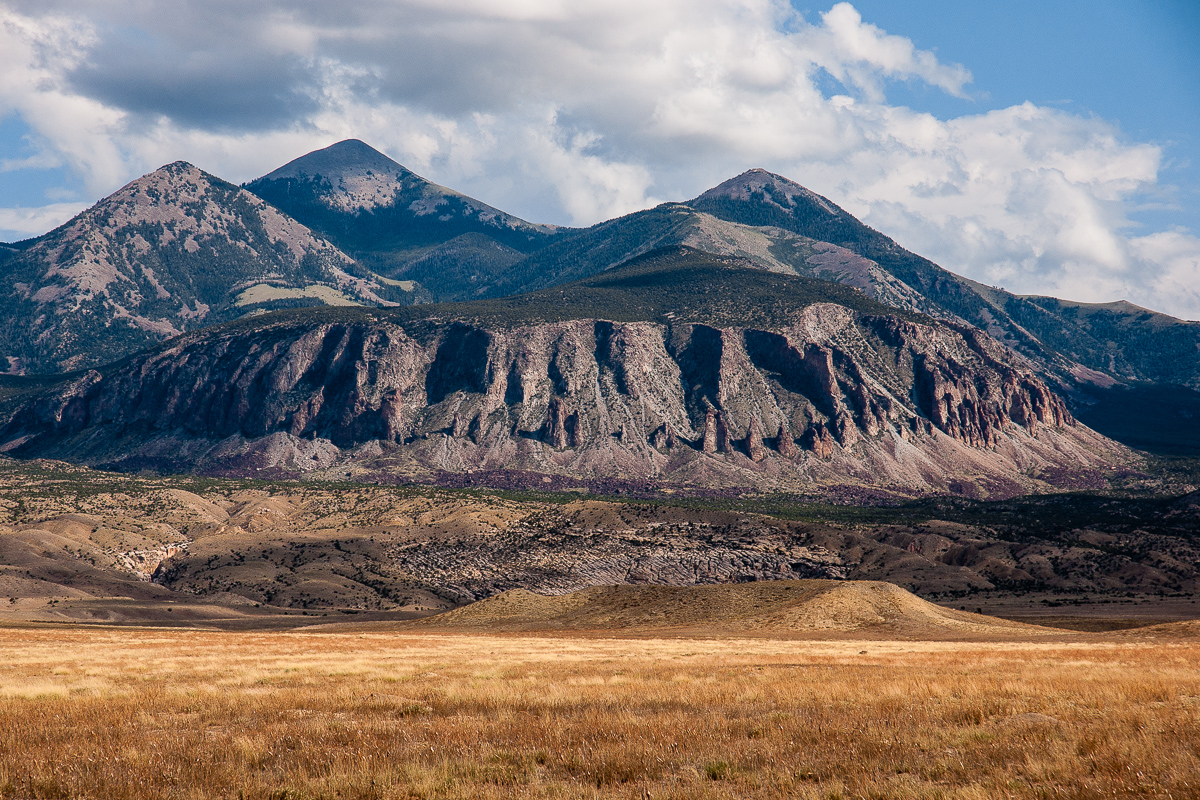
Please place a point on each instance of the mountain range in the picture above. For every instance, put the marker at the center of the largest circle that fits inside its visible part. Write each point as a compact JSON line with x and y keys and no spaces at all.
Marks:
{"x":757,"y":335}
{"x":770,"y":221}
{"x":679,"y":368}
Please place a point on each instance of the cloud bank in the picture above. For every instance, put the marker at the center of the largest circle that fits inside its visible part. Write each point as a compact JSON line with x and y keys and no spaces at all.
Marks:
{"x":573,"y":112}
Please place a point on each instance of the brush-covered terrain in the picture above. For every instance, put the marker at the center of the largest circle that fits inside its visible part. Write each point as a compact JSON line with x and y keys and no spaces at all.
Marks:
{"x":81,"y":545}
{"x":149,"y":714}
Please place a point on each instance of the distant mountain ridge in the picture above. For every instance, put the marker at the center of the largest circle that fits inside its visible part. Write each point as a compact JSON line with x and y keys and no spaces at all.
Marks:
{"x":347,"y":224}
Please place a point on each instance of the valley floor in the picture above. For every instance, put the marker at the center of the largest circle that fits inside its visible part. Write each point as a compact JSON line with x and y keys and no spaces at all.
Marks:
{"x":157,"y":713}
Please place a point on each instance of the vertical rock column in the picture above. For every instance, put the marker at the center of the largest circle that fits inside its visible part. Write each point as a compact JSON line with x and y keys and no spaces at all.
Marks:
{"x":754,"y":441}
{"x":709,"y":443}
{"x":391,"y":410}
{"x":784,"y":443}
{"x":556,"y":425}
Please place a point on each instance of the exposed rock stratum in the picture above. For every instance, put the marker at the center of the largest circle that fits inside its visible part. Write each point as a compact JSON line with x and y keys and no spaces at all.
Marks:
{"x":836,"y":396}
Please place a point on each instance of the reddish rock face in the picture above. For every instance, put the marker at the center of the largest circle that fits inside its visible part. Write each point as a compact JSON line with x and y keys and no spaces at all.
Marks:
{"x":754,"y":441}
{"x":585,"y":398}
{"x":784,"y":442}
{"x":818,"y":440}
{"x":708,"y":442}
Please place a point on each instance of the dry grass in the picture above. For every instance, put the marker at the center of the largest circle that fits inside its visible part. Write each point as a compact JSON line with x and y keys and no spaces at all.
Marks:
{"x":193,"y":714}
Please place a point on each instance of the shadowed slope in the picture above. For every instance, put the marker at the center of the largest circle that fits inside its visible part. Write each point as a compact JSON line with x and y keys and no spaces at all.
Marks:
{"x":396,"y":222}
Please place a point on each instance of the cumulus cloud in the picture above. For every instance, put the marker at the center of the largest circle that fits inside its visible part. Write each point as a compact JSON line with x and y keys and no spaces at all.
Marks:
{"x":573,"y":112}
{"x":29,"y":222}
{"x":861,"y":54}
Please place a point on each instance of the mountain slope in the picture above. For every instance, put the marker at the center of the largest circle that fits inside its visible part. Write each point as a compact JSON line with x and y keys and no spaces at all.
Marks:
{"x":388,"y":217}
{"x":1123,"y":340}
{"x":1118,"y":340}
{"x":174,"y":250}
{"x":380,"y":212}
{"x":608,"y":244}
{"x":709,"y":374}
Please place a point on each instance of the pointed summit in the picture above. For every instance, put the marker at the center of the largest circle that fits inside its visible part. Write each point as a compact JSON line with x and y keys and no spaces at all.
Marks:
{"x":779,"y":189}
{"x":389,"y":217}
{"x":175,"y":249}
{"x":352,"y":177}
{"x":349,"y":176}
{"x":759,"y":197}
{"x":349,"y":158}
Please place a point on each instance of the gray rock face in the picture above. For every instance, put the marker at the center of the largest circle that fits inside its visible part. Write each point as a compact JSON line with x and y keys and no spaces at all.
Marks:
{"x":840,"y":396}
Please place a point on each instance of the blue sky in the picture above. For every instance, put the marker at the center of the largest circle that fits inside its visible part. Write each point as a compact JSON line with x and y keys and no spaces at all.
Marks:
{"x":1135,"y":63}
{"x":1049,"y":148}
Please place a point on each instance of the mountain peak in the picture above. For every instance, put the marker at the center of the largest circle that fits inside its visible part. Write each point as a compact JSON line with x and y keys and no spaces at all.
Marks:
{"x":776,"y":188}
{"x":171,"y":250}
{"x":349,"y":158}
{"x":383,"y":197}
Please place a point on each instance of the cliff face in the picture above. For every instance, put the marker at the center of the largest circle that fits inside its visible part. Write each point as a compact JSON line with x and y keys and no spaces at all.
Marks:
{"x":839,"y":396}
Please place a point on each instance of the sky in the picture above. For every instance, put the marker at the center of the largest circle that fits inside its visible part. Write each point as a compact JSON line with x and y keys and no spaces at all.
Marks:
{"x":1048,"y":148}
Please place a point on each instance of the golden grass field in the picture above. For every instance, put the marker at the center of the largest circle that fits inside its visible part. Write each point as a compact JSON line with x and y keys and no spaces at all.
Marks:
{"x":158,"y":713}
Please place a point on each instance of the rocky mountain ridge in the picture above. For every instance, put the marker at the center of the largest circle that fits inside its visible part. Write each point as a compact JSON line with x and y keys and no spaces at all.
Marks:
{"x":174,"y":250}
{"x":407,"y":240}
{"x":824,"y":394}
{"x":1069,"y":343}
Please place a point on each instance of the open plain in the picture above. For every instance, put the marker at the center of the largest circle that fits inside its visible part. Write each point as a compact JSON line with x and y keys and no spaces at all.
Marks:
{"x":173,"y":637}
{"x":167,"y":713}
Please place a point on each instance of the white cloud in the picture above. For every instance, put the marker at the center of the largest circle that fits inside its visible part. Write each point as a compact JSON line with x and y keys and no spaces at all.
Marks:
{"x":1029,"y":198}
{"x":575,"y":112}
{"x":28,"y":222}
{"x":1170,"y":261}
{"x":860,"y":53}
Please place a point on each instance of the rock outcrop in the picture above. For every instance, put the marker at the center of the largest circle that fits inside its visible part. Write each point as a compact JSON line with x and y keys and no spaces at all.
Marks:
{"x":839,"y":396}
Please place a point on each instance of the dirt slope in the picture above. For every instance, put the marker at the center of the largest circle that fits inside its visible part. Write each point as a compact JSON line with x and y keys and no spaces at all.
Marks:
{"x":774,"y":607}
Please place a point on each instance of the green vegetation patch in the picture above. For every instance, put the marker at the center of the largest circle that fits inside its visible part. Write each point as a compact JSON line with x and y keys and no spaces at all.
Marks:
{"x":669,"y":286}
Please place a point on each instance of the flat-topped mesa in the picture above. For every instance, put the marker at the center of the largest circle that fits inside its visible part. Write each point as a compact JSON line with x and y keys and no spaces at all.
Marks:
{"x":583,"y":397}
